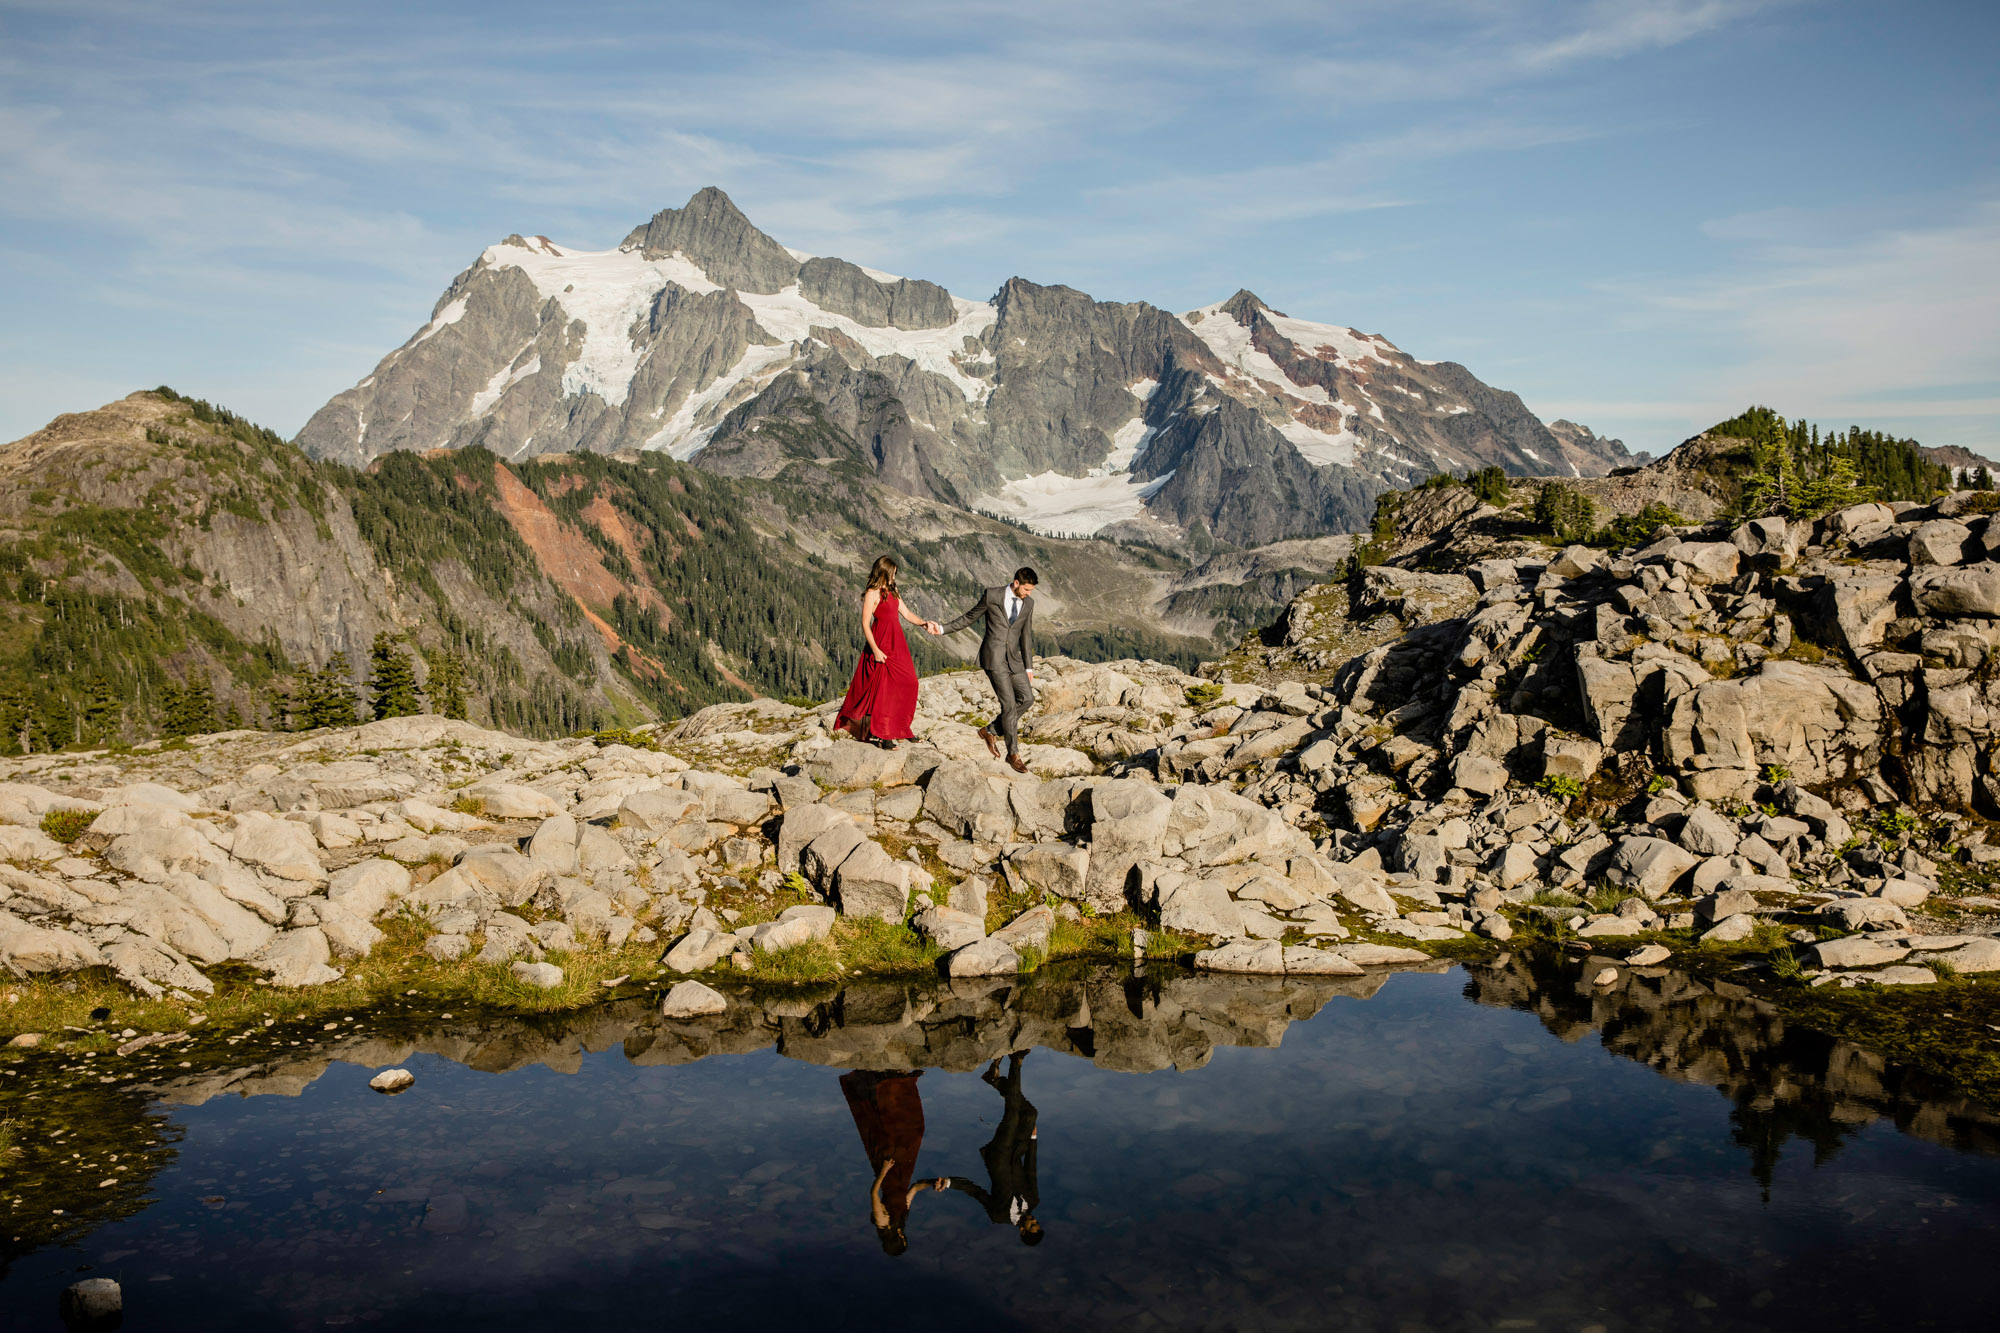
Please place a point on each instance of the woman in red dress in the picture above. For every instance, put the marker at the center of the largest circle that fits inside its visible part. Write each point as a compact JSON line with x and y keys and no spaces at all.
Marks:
{"x":889,"y":1112}
{"x":883,"y":697}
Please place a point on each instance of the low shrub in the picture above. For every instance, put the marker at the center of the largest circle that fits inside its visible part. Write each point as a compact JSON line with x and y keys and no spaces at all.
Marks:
{"x":66,"y":826}
{"x":1557,"y":784}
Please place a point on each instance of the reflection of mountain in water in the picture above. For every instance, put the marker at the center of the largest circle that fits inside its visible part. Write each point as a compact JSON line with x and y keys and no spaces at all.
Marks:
{"x":1106,"y":1015}
{"x":1786,"y":1081}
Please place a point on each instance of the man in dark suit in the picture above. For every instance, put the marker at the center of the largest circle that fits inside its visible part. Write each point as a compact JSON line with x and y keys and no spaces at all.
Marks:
{"x":1009,"y":1158}
{"x":1007,"y":656}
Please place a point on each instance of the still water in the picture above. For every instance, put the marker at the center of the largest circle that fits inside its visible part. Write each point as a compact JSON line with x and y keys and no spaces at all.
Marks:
{"x":1490,"y":1148}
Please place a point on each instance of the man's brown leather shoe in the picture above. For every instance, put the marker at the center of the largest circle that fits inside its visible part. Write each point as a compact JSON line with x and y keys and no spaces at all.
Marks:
{"x":1018,"y":764}
{"x":992,"y":745}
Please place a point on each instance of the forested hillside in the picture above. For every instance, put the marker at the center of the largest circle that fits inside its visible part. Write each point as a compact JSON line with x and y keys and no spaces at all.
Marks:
{"x":1886,"y":467}
{"x":168,"y":568}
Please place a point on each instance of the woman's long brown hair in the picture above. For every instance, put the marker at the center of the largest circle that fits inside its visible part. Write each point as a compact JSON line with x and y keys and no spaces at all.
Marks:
{"x":883,"y":575}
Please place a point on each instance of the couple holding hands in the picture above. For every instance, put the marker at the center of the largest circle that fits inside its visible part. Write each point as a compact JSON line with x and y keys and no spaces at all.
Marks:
{"x":882,"y":699}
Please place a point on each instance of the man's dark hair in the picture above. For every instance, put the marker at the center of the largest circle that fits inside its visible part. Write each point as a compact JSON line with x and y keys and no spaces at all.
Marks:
{"x":1032,"y":1237}
{"x":1026,"y":574}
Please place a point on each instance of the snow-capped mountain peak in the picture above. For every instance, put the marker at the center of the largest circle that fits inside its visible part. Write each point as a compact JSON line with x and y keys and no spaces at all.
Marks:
{"x":701,"y":336}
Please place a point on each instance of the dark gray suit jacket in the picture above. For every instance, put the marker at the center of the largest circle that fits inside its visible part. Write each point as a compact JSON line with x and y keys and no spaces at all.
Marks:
{"x":1004,"y":647}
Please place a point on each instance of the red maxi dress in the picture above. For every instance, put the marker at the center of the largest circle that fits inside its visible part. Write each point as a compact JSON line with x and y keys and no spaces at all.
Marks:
{"x":884,"y":694}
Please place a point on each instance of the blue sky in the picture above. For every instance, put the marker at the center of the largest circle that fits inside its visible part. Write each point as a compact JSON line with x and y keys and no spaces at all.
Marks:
{"x":1640,"y":215}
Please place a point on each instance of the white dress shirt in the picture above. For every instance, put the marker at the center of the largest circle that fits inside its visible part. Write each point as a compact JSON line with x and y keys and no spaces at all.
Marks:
{"x":1013,"y":606}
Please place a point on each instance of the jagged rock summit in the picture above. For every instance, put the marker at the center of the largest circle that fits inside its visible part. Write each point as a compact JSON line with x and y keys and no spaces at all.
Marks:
{"x":702,"y":336}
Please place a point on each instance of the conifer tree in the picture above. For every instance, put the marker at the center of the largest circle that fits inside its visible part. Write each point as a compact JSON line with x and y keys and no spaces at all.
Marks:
{"x":188,"y":710}
{"x":1569,"y":515}
{"x":330,"y":700}
{"x":392,"y":680}
{"x":447,"y":683}
{"x":101,"y":709}
{"x":279,"y":701}
{"x":1833,"y":488}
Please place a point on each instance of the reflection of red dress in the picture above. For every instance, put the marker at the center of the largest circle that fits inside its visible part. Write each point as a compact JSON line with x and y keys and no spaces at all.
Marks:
{"x":889,"y":1112}
{"x":884,"y":694}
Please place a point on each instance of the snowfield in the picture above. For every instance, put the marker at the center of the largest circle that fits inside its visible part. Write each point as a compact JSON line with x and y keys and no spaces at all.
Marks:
{"x":1059,"y":506}
{"x":608,"y":291}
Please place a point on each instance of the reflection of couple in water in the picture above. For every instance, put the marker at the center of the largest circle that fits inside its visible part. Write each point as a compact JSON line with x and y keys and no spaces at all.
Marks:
{"x":890,"y":1115}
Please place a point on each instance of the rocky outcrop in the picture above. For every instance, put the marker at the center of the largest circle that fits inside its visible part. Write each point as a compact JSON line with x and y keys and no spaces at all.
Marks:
{"x":290,"y":866}
{"x":847,"y":289}
{"x":712,"y":231}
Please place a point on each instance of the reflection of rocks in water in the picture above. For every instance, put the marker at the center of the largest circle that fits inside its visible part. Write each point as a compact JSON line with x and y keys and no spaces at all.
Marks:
{"x":1106,"y":1015}
{"x":82,"y":1155}
{"x":1786,"y":1081}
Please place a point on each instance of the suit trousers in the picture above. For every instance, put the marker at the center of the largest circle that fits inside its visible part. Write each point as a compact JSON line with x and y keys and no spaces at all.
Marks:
{"x":1016,"y":694}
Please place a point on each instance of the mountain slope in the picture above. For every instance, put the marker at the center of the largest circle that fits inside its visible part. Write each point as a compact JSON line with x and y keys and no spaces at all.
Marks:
{"x":159,"y":544}
{"x":702,"y":337}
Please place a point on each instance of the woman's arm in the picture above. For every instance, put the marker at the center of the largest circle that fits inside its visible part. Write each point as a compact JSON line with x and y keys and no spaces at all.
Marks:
{"x":931,"y":625}
{"x":869,"y":601}
{"x":877,"y":1210}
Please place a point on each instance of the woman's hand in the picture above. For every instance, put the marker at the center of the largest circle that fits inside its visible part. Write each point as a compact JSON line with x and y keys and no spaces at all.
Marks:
{"x":934,"y":627}
{"x":881,"y":656}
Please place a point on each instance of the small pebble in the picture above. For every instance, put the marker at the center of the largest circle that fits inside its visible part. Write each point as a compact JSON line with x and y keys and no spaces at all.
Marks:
{"x":1605,"y":978}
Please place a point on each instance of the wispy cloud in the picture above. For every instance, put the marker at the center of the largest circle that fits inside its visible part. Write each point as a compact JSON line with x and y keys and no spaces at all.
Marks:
{"x":1902,"y":321}
{"x":1459,"y":50}
{"x":289,"y":187}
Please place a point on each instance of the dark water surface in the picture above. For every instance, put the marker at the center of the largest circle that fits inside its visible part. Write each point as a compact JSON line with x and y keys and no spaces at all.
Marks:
{"x":1497,"y":1148}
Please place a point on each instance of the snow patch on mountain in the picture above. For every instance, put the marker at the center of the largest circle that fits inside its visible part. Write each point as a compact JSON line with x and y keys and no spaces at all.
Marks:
{"x":687,"y":432}
{"x":451,"y":314}
{"x":790,"y":317}
{"x":1059,"y":506}
{"x":1318,"y":446}
{"x":1320,"y":339}
{"x":1127,"y":443}
{"x":1062,"y":506}
{"x":503,"y":379}
{"x":606,"y":291}
{"x":1231,"y":344}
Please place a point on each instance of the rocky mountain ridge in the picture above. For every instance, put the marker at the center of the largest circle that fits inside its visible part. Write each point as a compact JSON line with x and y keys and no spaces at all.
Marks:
{"x":158,"y":543}
{"x":702,"y":337}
